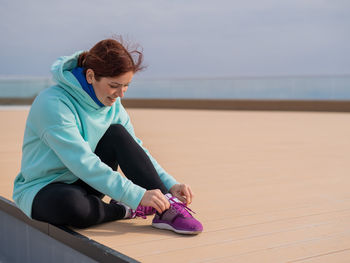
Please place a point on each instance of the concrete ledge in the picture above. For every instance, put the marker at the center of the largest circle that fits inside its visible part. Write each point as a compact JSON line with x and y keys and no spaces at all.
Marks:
{"x":58,"y":240}
{"x":16,"y":101}
{"x":208,"y":104}
{"x":255,"y":105}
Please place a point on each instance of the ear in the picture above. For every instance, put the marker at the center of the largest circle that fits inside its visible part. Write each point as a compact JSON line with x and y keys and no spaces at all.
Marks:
{"x":90,"y":75}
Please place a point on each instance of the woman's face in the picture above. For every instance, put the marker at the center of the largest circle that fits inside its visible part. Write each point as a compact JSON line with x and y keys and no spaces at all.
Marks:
{"x":108,"y":89}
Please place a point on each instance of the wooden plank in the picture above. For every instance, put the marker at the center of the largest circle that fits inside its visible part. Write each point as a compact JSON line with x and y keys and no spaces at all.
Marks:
{"x":269,"y":186}
{"x":323,"y":236}
{"x":212,"y":232}
{"x":329,"y":249}
{"x":339,"y":256}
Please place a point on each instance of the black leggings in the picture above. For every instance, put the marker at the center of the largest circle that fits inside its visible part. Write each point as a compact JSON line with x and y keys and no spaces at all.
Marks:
{"x":80,"y":205}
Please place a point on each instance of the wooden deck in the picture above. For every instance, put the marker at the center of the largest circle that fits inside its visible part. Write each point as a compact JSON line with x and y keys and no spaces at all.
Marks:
{"x":269,"y":186}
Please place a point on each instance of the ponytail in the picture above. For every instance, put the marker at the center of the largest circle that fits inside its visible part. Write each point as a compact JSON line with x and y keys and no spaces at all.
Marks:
{"x":82,"y":59}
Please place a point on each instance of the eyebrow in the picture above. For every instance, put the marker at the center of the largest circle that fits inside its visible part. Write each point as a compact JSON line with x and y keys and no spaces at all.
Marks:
{"x":119,"y":83}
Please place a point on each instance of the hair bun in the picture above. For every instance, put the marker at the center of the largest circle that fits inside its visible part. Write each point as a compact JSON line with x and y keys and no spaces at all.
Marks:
{"x":82,"y":59}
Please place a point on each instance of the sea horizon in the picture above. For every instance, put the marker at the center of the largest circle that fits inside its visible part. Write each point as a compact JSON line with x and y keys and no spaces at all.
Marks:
{"x":302,"y":87}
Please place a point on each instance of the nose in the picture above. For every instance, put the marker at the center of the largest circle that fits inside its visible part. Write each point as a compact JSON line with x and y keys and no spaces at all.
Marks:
{"x":120,"y":92}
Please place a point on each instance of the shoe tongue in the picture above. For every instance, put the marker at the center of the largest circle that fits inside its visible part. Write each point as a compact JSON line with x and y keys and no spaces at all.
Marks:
{"x":172,"y":198}
{"x":176,"y":204}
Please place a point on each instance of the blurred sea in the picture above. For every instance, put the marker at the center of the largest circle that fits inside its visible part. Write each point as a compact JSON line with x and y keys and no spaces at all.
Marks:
{"x":293,"y":88}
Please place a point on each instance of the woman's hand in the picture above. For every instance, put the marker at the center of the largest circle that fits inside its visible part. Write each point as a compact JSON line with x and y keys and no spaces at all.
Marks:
{"x":156,"y":199}
{"x":183,"y":192}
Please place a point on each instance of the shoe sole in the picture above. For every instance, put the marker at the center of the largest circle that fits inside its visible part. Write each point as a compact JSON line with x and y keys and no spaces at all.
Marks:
{"x":169,"y":227}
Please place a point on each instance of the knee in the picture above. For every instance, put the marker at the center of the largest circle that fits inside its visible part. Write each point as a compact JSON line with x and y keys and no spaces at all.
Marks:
{"x":84,"y":215}
{"x":116,"y":130}
{"x":61,"y":204}
{"x":80,"y":210}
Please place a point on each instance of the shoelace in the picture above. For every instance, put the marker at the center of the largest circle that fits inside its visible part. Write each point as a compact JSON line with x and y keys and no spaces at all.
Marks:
{"x":138,"y":213}
{"x":148,"y":210}
{"x":142,"y":211}
{"x":179,"y":206}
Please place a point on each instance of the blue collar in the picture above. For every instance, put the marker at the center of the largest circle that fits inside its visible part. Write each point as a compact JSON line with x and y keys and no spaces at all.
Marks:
{"x":79,"y":74}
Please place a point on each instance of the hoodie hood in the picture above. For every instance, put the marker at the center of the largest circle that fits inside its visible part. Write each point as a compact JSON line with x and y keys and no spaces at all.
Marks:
{"x":62,"y":75}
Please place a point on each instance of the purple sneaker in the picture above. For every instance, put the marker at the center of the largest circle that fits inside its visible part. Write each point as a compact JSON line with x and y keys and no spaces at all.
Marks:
{"x":141,"y":211}
{"x":177,"y":218}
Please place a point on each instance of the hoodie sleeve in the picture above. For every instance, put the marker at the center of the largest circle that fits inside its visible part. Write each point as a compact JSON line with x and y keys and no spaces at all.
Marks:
{"x":58,"y":129}
{"x":166,"y":178}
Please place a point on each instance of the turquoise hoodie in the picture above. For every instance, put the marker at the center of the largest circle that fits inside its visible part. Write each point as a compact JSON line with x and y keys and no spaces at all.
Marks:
{"x":62,"y":130}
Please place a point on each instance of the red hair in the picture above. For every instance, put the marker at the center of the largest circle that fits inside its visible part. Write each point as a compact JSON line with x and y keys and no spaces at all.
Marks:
{"x":110,"y":58}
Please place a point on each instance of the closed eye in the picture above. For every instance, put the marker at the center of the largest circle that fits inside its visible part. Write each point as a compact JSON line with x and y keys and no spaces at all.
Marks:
{"x":116,"y":87}
{"x":119,"y":86}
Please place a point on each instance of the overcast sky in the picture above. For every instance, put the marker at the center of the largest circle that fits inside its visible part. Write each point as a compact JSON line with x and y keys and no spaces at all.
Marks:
{"x":183,"y":38}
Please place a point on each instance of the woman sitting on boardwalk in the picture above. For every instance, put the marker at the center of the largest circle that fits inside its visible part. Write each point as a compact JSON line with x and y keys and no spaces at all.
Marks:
{"x":76,"y":135}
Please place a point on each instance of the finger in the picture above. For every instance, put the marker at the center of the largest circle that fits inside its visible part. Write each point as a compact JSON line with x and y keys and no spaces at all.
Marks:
{"x":155,"y":203}
{"x":163,"y":200}
{"x":162,"y":203}
{"x":191,"y":194}
{"x":181,"y":198}
{"x":187,"y":194}
{"x":166,"y":202}
{"x":158,"y":208}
